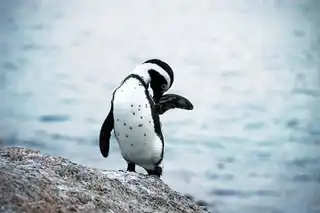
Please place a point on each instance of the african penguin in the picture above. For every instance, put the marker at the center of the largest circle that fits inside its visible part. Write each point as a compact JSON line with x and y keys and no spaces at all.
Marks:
{"x":134,"y":118}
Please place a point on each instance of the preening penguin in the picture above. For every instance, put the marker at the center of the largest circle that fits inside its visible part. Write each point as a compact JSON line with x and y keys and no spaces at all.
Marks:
{"x":134,"y":116}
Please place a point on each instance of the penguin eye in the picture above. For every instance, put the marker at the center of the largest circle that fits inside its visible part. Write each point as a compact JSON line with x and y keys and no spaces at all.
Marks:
{"x":163,"y":86}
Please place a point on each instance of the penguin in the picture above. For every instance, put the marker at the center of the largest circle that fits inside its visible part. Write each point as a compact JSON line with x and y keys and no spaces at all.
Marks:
{"x":134,"y":116}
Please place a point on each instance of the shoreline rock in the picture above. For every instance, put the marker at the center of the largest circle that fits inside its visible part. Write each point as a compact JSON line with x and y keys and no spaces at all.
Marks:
{"x":34,"y":182}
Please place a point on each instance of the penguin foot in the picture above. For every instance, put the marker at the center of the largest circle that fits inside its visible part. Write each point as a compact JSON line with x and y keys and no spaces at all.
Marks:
{"x":157,"y":171}
{"x":131,"y":167}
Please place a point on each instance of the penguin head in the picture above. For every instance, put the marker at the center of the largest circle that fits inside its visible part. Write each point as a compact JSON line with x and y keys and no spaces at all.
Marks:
{"x":161,"y":77}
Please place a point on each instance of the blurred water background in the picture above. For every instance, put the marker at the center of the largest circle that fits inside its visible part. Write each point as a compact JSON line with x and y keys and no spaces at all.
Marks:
{"x":250,"y":67}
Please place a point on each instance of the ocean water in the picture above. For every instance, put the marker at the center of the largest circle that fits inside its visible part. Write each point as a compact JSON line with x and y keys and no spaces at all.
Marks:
{"x":250,"y":67}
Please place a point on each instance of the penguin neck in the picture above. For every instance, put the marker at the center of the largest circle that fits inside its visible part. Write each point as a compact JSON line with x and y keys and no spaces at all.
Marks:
{"x":142,"y":71}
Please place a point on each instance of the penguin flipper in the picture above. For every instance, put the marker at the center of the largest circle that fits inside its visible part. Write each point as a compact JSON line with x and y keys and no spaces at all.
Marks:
{"x":105,"y":133}
{"x":172,"y":101}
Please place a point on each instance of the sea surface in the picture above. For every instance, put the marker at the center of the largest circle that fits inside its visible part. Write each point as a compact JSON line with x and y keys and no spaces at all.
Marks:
{"x":250,"y":67}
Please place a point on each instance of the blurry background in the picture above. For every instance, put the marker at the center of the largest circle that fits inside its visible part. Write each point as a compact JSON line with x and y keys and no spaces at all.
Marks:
{"x":250,"y":67}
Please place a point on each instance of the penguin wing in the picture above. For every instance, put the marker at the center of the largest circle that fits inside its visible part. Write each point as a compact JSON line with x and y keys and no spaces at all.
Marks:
{"x":172,"y":101}
{"x":105,"y":133}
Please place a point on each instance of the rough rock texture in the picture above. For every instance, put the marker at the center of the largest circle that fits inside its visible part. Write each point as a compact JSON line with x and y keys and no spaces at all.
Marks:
{"x":32,"y":182}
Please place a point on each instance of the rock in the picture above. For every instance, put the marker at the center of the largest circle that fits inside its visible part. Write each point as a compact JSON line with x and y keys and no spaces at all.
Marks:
{"x":33,"y":182}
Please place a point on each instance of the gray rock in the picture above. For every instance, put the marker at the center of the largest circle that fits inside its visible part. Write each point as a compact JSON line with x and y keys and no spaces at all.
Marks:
{"x":33,"y":182}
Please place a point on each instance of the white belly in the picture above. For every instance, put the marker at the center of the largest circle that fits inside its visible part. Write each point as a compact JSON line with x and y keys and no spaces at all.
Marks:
{"x":134,"y":126}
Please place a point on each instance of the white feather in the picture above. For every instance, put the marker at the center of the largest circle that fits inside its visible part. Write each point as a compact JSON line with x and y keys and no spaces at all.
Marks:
{"x":139,"y":145}
{"x":142,"y":70}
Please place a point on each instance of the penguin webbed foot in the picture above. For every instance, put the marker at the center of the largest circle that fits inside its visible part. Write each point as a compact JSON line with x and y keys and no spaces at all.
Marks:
{"x":131,"y":167}
{"x":157,"y":172}
{"x":172,"y":101}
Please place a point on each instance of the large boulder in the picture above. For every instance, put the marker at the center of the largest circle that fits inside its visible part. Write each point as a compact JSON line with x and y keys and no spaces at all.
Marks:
{"x":33,"y":182}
